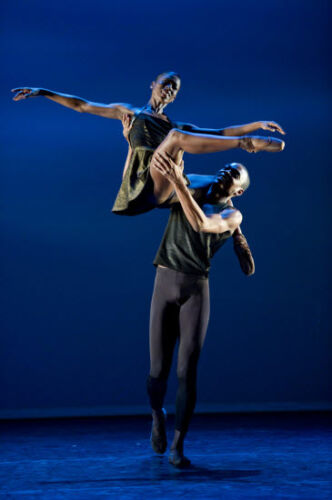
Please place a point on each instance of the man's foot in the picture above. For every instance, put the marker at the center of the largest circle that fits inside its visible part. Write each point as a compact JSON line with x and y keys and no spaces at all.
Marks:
{"x":253,"y":144}
{"x":177,"y":459}
{"x":158,"y":438}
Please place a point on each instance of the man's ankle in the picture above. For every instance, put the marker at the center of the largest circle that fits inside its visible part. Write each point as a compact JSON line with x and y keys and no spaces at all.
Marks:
{"x":158,"y":414}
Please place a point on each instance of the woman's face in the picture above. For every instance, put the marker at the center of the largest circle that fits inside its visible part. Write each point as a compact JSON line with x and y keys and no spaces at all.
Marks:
{"x":165,"y":88}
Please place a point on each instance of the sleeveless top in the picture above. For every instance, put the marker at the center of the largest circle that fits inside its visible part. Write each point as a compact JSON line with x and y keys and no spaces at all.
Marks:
{"x":186,"y":250}
{"x":136,"y":191}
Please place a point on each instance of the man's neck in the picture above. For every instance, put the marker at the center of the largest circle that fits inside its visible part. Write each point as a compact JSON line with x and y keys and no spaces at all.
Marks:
{"x":224,"y":200}
{"x":220,"y":201}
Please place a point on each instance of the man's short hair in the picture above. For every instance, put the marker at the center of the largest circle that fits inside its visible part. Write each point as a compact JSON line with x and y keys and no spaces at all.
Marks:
{"x":171,"y":73}
{"x":245,"y":183}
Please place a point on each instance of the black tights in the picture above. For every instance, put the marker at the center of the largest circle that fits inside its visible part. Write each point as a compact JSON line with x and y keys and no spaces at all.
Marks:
{"x":180,"y":308}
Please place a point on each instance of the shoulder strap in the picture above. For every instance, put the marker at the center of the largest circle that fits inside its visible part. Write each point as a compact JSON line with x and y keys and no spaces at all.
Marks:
{"x":136,"y":115}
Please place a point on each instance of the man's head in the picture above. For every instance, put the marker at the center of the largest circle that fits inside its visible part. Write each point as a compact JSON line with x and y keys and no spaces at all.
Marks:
{"x":231,"y":180}
{"x":165,"y":87}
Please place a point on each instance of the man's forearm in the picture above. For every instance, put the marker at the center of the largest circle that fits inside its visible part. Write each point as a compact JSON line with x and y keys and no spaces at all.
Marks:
{"x":197,"y":218}
{"x":238,"y":130}
{"x":192,"y":210}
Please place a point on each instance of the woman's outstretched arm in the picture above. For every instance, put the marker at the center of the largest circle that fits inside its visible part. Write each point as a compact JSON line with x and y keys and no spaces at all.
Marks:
{"x":252,"y":127}
{"x":114,"y":110}
{"x":236,"y":130}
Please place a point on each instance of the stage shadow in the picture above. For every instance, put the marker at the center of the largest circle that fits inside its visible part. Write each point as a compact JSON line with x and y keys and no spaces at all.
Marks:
{"x":158,"y":469}
{"x":164,"y":471}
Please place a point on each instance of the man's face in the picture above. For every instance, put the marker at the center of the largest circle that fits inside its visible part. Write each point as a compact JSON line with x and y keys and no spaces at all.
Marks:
{"x":228,"y":182}
{"x":166,"y":87}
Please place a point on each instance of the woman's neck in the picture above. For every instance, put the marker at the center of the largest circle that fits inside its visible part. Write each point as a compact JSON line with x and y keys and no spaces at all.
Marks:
{"x":156,"y":106}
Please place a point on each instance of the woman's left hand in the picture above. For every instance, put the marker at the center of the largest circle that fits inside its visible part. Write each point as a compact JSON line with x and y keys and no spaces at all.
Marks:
{"x":127,"y":124}
{"x":272,"y":126}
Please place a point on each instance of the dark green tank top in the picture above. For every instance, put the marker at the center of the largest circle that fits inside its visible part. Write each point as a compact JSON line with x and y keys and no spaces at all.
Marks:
{"x":148,"y":131}
{"x":135,"y":195}
{"x":186,"y":250}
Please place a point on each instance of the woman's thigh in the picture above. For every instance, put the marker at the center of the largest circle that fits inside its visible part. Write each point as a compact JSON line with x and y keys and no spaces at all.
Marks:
{"x":162,"y":187}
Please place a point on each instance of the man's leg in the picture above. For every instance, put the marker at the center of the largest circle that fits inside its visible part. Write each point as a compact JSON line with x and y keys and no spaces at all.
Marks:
{"x":194,"y":318}
{"x":164,"y":329}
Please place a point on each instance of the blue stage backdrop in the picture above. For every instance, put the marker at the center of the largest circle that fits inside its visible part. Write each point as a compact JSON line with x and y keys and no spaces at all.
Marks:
{"x":77,"y":280}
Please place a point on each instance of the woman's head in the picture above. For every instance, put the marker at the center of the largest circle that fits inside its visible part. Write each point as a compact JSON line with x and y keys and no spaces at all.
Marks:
{"x":165,"y":87}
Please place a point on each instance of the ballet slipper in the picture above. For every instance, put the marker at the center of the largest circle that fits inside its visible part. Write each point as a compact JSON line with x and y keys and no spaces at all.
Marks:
{"x":254,"y":144}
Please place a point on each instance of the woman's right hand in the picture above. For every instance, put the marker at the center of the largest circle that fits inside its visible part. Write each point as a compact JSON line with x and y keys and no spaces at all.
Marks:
{"x":25,"y":92}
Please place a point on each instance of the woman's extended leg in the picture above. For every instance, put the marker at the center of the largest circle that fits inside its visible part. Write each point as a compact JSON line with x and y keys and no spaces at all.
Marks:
{"x":177,"y":142}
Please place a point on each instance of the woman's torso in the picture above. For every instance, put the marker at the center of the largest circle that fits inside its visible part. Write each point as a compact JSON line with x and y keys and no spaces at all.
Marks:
{"x":148,"y":131}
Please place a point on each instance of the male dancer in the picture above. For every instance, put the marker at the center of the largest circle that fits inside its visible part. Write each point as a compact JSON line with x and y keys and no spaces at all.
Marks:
{"x":198,"y":226}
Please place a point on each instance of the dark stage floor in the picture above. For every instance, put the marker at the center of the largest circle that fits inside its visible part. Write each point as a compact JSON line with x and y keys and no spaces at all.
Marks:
{"x":233,"y":457}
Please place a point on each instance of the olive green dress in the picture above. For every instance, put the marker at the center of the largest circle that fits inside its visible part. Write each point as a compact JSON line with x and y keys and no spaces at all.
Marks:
{"x":135,"y":195}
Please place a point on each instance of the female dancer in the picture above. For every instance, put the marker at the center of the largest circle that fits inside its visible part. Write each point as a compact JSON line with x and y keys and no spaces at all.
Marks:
{"x":143,"y":186}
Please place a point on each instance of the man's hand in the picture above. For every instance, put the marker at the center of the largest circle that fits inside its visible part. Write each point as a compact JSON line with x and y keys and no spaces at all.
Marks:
{"x":168,"y":168}
{"x":272,"y":126}
{"x":24,"y":93}
{"x":127,"y":124}
{"x":243,"y":252}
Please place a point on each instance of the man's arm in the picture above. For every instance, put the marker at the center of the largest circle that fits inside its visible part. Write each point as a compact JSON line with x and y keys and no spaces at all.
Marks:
{"x":242,"y":250}
{"x":228,"y":220}
{"x":198,"y":219}
{"x":235,"y":131}
{"x":114,"y":110}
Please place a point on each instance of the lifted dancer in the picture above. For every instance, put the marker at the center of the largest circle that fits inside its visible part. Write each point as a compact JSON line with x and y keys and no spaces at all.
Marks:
{"x":198,"y":226}
{"x":143,"y":186}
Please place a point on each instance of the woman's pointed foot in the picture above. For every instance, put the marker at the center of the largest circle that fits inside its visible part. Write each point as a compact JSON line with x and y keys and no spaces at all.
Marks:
{"x":177,"y":459}
{"x":158,"y":438}
{"x":253,"y":144}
